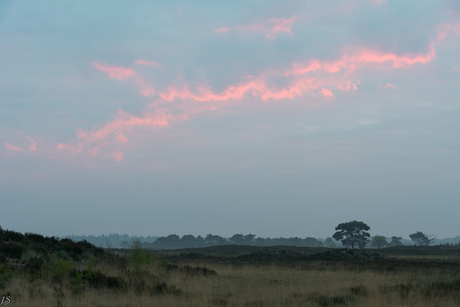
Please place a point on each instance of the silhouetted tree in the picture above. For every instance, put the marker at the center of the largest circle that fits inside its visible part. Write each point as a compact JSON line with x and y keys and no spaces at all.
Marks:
{"x":200,"y":242}
{"x":214,"y":240}
{"x":249,"y":239}
{"x":352,"y":234}
{"x":422,"y":239}
{"x":237,"y":239}
{"x":379,"y":241}
{"x":171,"y":241}
{"x":395,"y":241}
{"x":188,"y":241}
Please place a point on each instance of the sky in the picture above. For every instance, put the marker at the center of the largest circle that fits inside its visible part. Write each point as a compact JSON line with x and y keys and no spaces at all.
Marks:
{"x":277,"y":118}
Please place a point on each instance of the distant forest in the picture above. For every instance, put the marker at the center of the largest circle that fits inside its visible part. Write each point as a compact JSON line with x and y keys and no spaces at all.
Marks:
{"x":112,"y":240}
{"x":188,"y":241}
{"x":173,"y":241}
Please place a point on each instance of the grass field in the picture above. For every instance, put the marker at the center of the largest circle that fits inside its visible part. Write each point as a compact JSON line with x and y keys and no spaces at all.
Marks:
{"x":337,"y":278}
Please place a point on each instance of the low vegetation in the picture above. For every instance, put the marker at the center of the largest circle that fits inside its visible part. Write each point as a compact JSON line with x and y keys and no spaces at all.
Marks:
{"x":45,"y":271}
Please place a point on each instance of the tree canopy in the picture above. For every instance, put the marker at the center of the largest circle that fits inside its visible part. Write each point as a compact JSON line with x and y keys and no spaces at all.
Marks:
{"x":422,"y":239}
{"x":352,"y":234}
{"x":379,"y":241}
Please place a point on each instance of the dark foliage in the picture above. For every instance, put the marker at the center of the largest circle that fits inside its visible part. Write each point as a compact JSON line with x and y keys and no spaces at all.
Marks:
{"x":12,"y":250}
{"x":189,"y":270}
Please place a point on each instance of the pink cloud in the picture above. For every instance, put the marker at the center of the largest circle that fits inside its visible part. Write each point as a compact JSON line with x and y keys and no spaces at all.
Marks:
{"x":33,"y":145}
{"x":314,"y":65}
{"x":363,"y":56}
{"x":147,"y":63}
{"x":111,"y":133}
{"x":144,"y":88}
{"x":326,"y":92}
{"x":389,"y":86}
{"x":94,"y":151}
{"x":122,"y":137}
{"x":117,"y":155}
{"x":348,"y":86}
{"x":115,"y":72}
{"x":221,"y":30}
{"x":12,"y":147}
{"x":270,"y":27}
{"x":81,"y":133}
{"x":69,"y":148}
{"x":281,"y":25}
{"x":256,"y":88}
{"x":316,"y":76}
{"x":442,"y":30}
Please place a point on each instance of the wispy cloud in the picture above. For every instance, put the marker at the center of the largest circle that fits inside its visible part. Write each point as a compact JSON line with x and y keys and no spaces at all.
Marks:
{"x":388,"y":86}
{"x":33,"y":144}
{"x":352,"y":59}
{"x":444,"y":29}
{"x":314,"y":77}
{"x":326,"y":92}
{"x":117,"y":155}
{"x":147,"y":63}
{"x":115,"y":72}
{"x":12,"y":147}
{"x":270,"y":27}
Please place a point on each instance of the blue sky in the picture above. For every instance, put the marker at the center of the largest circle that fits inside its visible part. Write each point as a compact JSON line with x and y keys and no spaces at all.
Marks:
{"x":274,"y":118}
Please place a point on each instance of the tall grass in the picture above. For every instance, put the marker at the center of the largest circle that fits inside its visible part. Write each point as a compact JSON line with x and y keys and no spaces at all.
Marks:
{"x":243,"y":285}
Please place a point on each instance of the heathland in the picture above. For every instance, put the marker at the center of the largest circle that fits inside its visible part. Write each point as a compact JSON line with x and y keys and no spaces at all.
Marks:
{"x":46,"y":271}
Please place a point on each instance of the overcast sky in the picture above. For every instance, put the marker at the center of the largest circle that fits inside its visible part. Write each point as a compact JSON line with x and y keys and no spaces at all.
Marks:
{"x":277,"y":118}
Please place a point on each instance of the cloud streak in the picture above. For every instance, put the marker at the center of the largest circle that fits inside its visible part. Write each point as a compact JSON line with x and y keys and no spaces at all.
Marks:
{"x":353,"y":59}
{"x":115,"y":72}
{"x":11,"y":147}
{"x":270,"y":28}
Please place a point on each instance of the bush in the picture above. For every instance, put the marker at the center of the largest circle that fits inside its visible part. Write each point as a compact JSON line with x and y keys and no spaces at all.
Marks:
{"x":62,"y":269}
{"x":139,"y":256}
{"x":6,"y":273}
{"x":12,"y":250}
{"x":12,"y":236}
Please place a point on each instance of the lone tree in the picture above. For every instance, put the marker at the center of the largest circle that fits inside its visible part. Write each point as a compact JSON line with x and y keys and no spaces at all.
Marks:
{"x":422,"y":239}
{"x":352,"y":234}
{"x":379,"y":241}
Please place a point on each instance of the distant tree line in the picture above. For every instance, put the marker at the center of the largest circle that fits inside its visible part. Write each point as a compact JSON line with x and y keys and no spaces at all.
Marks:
{"x":173,"y":241}
{"x":112,"y":240}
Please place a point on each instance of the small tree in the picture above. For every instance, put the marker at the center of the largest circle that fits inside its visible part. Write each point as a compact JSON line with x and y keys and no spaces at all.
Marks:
{"x":422,"y":239}
{"x":395,"y":241}
{"x":352,"y":234}
{"x":379,"y":241}
{"x":139,"y":257}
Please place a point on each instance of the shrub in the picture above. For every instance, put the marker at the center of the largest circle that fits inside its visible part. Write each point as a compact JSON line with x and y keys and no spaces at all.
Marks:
{"x":62,"y":269}
{"x":6,"y":273}
{"x":12,"y":250}
{"x":139,"y":256}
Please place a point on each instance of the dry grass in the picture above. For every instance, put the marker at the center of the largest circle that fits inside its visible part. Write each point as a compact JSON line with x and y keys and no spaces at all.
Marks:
{"x":250,"y":286}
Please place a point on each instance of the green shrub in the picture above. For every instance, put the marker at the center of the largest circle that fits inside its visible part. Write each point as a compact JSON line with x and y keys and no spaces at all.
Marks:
{"x":62,"y":269}
{"x":6,"y":274}
{"x":139,"y":256}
